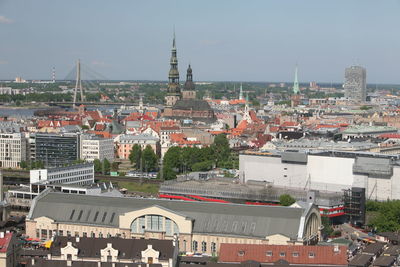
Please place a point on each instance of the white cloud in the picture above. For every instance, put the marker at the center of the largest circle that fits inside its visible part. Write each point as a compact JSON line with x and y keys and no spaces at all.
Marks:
{"x":5,"y":20}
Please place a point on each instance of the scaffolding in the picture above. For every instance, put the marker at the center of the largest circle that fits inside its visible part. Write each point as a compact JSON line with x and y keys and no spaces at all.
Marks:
{"x":354,"y":205}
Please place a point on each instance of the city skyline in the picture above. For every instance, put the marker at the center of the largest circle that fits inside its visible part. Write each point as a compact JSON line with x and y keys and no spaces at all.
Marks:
{"x":260,"y":42}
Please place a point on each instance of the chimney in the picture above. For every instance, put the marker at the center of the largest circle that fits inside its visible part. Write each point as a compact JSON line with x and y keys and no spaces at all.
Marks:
{"x":99,"y":264}
{"x":1,"y":234}
{"x":69,"y":263}
{"x":33,"y":262}
{"x":77,"y":239}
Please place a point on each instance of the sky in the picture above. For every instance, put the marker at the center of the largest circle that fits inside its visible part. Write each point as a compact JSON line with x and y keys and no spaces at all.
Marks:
{"x":223,"y":40}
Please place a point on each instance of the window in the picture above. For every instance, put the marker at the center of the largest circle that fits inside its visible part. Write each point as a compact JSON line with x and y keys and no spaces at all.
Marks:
{"x":203,"y":246}
{"x":96,"y":215}
{"x":100,"y":235}
{"x":68,"y":233}
{"x":194,"y":246}
{"x":213,"y":247}
{"x":80,"y":215}
{"x":112,"y":217}
{"x":241,"y":253}
{"x":295,"y":254}
{"x":104,"y":216}
{"x":269,"y":253}
{"x":311,"y":254}
{"x":61,"y":232}
{"x":168,"y":227}
{"x":92,"y":234}
{"x":76,"y":234}
{"x":154,"y":222}
{"x":72,"y":214}
{"x":282,"y":254}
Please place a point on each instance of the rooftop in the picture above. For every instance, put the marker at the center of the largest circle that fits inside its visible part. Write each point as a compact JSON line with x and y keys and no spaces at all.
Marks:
{"x":218,"y":218}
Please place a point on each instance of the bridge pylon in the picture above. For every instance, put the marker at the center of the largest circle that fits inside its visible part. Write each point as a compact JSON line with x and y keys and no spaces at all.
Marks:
{"x":78,"y":83}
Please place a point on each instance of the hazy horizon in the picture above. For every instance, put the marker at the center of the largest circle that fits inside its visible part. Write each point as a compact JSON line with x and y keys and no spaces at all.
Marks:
{"x":226,"y":40}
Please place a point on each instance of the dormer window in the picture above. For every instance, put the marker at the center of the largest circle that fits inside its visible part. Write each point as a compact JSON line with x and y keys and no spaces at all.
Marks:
{"x":241,"y":253}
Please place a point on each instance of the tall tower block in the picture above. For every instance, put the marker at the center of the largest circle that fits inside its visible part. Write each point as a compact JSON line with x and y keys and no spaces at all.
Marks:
{"x":296,"y":88}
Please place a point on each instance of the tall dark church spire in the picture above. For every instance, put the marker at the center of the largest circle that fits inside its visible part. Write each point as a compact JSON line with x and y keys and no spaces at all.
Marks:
{"x":189,"y":85}
{"x":173,"y":77}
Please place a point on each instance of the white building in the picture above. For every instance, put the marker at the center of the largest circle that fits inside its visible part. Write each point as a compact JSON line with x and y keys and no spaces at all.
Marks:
{"x":94,"y":147}
{"x":12,"y":149}
{"x":379,"y":174}
{"x":78,"y":174}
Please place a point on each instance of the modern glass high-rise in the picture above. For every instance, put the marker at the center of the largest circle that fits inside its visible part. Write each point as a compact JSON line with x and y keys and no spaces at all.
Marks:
{"x":355,"y":85}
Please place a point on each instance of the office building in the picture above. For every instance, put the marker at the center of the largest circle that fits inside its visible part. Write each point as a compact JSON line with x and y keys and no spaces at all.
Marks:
{"x":78,"y":174}
{"x":355,"y":85}
{"x":55,"y":150}
{"x":95,"y":147}
{"x":12,"y":149}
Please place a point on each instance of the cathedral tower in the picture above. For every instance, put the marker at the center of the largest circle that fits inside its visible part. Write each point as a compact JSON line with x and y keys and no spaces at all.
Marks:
{"x":174,"y":92}
{"x":189,"y":89}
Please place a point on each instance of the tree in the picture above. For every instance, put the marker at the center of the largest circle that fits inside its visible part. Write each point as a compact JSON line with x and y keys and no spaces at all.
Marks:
{"x":172,"y":158}
{"x":106,"y":166}
{"x":286,"y":200}
{"x":114,"y":166}
{"x":135,"y":156}
{"x":221,"y":148}
{"x":97,"y":166}
{"x":150,"y":159}
{"x":169,"y":173}
{"x":23,"y":164}
{"x":202,"y":166}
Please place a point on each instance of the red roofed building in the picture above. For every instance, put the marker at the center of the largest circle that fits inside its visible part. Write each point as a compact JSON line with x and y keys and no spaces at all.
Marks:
{"x":9,"y":250}
{"x":293,"y":254}
{"x":180,"y":139}
{"x":56,"y":123}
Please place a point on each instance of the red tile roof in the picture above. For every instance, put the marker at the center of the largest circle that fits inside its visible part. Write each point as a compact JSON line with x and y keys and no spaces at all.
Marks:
{"x":294,"y":254}
{"x":4,"y":242}
{"x":289,"y":124}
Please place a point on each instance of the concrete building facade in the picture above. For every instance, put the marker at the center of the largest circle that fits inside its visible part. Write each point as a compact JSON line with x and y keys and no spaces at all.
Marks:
{"x":379,"y":174}
{"x":12,"y":149}
{"x":200,"y":226}
{"x":93,"y":147}
{"x":78,"y":174}
{"x":355,"y":85}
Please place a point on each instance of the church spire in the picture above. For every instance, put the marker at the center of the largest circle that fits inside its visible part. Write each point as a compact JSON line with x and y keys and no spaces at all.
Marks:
{"x":241,"y":92}
{"x":173,"y":77}
{"x":296,"y":89}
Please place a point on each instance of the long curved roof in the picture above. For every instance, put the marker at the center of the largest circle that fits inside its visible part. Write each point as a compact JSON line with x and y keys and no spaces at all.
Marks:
{"x":208,"y":218}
